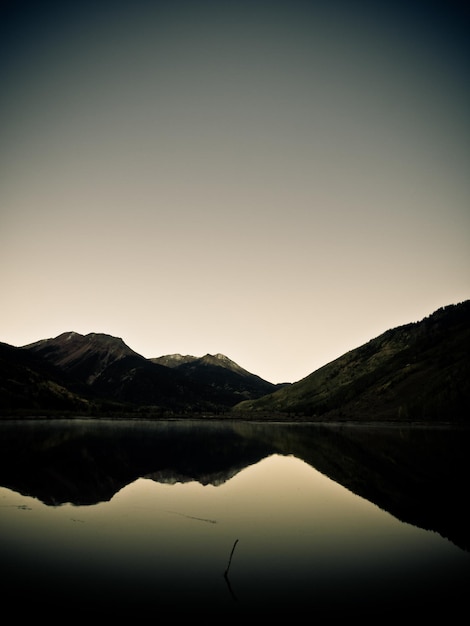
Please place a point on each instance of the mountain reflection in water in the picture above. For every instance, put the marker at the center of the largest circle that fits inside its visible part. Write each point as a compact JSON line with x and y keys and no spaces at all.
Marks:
{"x":160,"y":479}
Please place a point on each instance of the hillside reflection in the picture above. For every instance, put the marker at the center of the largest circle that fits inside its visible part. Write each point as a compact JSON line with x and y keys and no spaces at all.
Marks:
{"x":418,"y":474}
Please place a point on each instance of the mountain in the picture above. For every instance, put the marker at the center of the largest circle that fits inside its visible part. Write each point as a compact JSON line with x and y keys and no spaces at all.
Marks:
{"x":104,"y":367}
{"x":220,"y":373}
{"x":418,"y":371}
{"x":84,"y":357}
{"x":100,"y":374}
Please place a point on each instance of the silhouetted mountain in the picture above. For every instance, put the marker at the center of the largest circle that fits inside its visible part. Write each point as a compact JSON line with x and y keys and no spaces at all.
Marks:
{"x":83,"y":357}
{"x":419,"y":371}
{"x":102,"y":375}
{"x":223,"y":375}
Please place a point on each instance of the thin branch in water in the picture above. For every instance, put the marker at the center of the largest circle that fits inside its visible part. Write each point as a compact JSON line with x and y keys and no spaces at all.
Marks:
{"x":230,"y":559}
{"x":226,"y":571}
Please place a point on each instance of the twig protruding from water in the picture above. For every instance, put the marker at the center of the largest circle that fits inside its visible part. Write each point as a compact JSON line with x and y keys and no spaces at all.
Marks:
{"x":230,"y":559}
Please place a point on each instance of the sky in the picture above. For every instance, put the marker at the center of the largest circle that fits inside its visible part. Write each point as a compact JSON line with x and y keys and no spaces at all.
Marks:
{"x":279,"y":182}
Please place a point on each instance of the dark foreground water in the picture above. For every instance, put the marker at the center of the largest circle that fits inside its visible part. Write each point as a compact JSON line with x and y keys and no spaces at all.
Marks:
{"x":211,"y":520}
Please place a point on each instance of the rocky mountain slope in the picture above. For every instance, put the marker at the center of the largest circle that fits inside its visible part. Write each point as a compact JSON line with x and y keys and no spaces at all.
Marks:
{"x":419,"y":371}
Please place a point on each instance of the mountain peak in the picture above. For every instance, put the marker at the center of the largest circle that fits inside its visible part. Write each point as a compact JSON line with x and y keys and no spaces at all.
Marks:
{"x":173,"y":360}
{"x":78,"y":353}
{"x":216,"y":357}
{"x":68,"y":336}
{"x":220,"y":360}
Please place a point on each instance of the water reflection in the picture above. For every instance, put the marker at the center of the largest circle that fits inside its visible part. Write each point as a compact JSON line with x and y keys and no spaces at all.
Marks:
{"x":125,"y":515}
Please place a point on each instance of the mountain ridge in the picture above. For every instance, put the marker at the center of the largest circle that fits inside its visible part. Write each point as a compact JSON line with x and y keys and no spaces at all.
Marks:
{"x":78,"y":353}
{"x":109,"y":376}
{"x":417,"y":371}
{"x":173,"y":360}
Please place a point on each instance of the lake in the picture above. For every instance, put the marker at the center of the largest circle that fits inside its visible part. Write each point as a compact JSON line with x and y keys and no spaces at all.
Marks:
{"x":231,"y":518}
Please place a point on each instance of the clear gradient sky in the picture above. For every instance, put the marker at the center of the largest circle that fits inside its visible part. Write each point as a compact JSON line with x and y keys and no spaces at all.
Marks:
{"x":276,"y":181}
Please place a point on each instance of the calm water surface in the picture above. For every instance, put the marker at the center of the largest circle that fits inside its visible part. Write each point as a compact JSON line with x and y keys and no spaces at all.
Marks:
{"x":206,"y":536}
